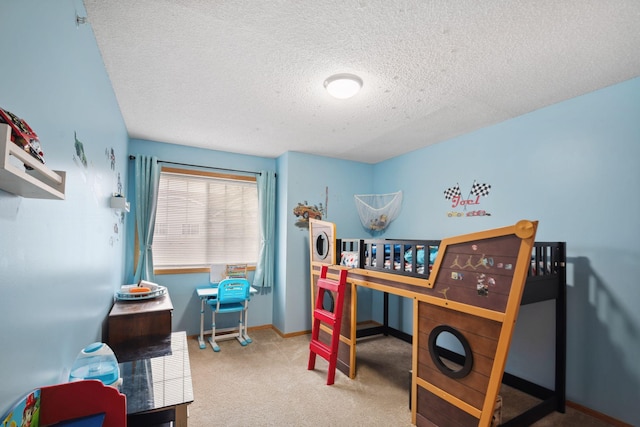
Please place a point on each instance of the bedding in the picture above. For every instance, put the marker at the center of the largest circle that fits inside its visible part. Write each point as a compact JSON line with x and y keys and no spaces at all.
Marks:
{"x":349,"y":259}
{"x":389,"y":255}
{"x":397,"y":256}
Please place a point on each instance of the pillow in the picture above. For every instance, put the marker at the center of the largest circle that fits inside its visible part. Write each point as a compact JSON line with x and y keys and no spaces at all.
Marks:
{"x":433,"y":253}
{"x":349,"y":259}
{"x":408,"y":256}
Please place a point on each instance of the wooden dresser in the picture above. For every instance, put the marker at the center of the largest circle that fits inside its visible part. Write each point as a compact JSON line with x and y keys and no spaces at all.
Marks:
{"x":131,"y":323}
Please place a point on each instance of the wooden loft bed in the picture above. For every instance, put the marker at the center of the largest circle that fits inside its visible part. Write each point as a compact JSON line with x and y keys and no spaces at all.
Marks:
{"x":403,"y":267}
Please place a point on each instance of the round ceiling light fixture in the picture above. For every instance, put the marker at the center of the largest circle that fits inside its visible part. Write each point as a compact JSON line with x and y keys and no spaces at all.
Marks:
{"x":343,"y":86}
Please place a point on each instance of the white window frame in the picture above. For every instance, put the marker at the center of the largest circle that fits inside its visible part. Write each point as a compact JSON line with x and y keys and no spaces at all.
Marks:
{"x":233,"y":225}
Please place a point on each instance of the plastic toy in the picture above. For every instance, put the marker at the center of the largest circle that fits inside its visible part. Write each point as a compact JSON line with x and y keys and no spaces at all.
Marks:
{"x":22,"y":135}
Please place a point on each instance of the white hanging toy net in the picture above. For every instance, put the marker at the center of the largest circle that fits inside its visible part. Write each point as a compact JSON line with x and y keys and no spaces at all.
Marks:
{"x":378,"y":210}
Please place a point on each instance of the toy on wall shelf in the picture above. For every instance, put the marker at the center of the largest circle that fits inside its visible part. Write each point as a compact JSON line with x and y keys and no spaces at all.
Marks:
{"x":22,"y":135}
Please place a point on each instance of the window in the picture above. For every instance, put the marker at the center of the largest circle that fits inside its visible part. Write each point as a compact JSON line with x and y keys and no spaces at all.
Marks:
{"x":205,"y":218}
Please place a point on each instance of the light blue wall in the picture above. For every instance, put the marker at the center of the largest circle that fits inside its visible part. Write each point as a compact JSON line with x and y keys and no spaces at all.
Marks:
{"x":181,"y":287}
{"x":60,"y":261}
{"x":315,"y":179}
{"x":574,"y":167}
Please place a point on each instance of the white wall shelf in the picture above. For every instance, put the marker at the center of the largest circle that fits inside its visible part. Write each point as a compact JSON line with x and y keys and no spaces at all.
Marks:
{"x":39,"y":183}
{"x":120,"y":203}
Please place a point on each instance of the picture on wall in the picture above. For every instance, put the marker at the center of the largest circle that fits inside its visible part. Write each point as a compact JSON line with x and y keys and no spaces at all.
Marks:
{"x":304,"y":211}
{"x":79,"y":156}
{"x":469,"y":206}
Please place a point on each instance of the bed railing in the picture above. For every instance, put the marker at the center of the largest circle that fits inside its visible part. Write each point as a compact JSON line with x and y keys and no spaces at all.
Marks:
{"x":405,"y":257}
{"x":416,"y":257}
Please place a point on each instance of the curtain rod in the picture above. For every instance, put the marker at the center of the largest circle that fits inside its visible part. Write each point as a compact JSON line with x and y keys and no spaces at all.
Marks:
{"x":200,"y":166}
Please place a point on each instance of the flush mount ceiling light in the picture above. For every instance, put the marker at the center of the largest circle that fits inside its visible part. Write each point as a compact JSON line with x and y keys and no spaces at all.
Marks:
{"x":343,"y":86}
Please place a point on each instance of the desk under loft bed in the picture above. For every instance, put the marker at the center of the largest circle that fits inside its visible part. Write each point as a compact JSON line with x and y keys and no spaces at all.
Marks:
{"x":403,"y":267}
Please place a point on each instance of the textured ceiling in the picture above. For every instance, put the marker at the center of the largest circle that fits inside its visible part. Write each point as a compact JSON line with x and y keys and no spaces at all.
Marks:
{"x":247,"y":76}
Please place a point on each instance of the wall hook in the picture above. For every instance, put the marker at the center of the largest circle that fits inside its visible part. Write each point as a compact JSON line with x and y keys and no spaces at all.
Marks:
{"x":80,"y":20}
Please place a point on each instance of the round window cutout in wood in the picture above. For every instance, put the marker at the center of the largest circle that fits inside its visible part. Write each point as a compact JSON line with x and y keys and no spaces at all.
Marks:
{"x":322,"y":245}
{"x":457,"y":365}
{"x":328,"y":301}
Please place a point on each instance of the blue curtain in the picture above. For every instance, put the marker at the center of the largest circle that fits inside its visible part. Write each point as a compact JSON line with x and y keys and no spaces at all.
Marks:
{"x":147,"y":179}
{"x":265,"y":269}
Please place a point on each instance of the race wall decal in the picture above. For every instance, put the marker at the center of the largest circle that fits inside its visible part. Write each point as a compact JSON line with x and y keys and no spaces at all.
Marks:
{"x":470,"y":206}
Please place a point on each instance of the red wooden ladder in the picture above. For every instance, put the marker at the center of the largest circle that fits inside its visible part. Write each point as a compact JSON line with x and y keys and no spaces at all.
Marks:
{"x":331,"y":318}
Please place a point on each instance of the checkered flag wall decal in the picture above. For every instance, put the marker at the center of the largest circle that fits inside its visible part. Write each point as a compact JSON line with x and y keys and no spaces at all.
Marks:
{"x":451,"y":192}
{"x":478,"y":189}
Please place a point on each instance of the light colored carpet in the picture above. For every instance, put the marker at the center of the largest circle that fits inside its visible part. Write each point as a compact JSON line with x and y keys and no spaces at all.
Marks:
{"x":267,"y":384}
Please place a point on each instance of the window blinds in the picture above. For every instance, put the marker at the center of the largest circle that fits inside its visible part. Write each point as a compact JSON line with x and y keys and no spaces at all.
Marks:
{"x":202,"y":220}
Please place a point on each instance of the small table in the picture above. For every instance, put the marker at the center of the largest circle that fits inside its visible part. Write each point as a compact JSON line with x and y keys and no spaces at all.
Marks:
{"x":131,"y":322}
{"x":211,"y":293}
{"x":157,"y":382}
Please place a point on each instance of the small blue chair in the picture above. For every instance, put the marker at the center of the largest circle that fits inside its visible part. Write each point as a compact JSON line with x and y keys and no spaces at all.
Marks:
{"x":233,"y":297}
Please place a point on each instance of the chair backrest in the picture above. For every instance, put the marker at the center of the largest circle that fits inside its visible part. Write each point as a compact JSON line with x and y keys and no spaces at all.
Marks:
{"x":79,"y":399}
{"x":236,"y":271}
{"x":233,"y":291}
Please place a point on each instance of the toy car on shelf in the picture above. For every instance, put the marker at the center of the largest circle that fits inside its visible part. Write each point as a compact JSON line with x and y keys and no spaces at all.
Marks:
{"x":22,"y":135}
